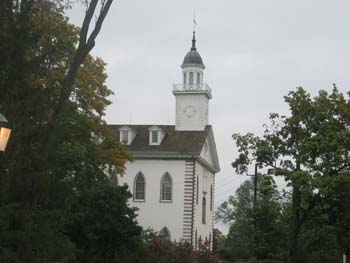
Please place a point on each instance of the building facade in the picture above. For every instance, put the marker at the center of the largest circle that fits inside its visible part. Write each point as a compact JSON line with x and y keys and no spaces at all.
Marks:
{"x":172,"y":177}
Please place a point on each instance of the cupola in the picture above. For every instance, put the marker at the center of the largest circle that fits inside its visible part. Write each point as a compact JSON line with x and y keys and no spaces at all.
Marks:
{"x":193,"y":94}
{"x":193,"y":58}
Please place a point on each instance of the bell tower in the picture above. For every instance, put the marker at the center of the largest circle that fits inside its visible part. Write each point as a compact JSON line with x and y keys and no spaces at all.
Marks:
{"x":193,"y":94}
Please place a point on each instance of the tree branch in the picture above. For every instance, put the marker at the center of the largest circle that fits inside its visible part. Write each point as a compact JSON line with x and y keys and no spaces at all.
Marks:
{"x":82,"y":51}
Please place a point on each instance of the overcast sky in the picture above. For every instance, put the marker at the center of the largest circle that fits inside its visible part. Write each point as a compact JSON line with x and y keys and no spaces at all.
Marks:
{"x":254,"y":52}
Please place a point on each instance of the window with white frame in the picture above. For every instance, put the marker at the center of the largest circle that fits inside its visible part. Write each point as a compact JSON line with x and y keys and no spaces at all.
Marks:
{"x":166,"y":188}
{"x":205,"y":183}
{"x":197,"y":190}
{"x":198,"y":78}
{"x":195,"y":239}
{"x":124,"y":137}
{"x":155,"y":136}
{"x":139,"y":187}
{"x":204,"y":211}
{"x":211,"y":197}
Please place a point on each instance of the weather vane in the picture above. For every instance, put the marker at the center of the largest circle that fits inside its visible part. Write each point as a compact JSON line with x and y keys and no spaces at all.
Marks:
{"x":194,"y":20}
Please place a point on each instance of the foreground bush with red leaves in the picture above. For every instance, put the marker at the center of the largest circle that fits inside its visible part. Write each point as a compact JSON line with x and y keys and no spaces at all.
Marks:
{"x":162,"y":251}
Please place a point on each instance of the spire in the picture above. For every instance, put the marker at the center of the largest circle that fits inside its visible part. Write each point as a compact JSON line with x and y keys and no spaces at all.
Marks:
{"x":194,"y":41}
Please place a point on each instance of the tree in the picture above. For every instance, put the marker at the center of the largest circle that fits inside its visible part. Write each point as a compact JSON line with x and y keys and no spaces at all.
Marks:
{"x":309,"y":148}
{"x":103,"y":226}
{"x":218,"y":241}
{"x":255,"y":232}
{"x":37,"y":194}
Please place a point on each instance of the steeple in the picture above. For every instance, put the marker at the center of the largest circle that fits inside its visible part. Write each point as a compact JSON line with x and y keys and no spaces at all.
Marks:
{"x":194,"y":41}
{"x":193,"y":58}
{"x":193,"y":95}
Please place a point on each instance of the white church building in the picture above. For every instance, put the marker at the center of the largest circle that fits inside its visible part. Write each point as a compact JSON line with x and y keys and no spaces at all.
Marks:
{"x":172,"y":177}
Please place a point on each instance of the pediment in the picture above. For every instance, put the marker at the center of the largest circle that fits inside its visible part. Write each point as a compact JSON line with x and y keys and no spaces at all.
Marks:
{"x":209,"y":152}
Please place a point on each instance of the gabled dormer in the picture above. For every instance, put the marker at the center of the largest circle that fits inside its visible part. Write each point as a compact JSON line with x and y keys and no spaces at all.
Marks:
{"x":156,"y":135}
{"x":126,"y":135}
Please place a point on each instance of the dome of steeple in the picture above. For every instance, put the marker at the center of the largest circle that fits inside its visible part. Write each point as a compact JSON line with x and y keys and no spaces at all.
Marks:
{"x":193,"y":58}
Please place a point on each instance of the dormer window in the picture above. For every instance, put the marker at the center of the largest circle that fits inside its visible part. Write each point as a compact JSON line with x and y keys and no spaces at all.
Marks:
{"x":126,"y":135}
{"x":156,"y":135}
{"x":124,"y":138}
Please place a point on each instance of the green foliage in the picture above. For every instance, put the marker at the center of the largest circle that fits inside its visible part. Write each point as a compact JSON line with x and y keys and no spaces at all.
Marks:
{"x":310,"y":148}
{"x":56,"y":206}
{"x":102,"y":225}
{"x":255,"y":232}
{"x":218,"y":241}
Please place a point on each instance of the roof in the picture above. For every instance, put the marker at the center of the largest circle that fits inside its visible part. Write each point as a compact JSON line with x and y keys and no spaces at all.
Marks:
{"x":193,"y":58}
{"x":176,"y":144}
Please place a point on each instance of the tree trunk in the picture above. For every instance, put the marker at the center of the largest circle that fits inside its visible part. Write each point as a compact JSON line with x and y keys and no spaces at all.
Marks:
{"x":294,"y":226}
{"x":295,"y":223}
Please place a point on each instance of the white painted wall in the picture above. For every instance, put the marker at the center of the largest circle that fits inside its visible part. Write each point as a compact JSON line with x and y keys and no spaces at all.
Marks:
{"x":203,"y":230}
{"x":206,"y":152}
{"x":199,"y":119}
{"x":153,"y":213}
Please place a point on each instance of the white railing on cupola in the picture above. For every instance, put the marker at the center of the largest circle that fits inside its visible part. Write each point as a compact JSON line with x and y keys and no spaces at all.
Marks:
{"x":192,"y":87}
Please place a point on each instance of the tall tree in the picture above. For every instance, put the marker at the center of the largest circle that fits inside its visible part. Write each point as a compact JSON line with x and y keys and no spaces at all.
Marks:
{"x":256,"y":232}
{"x":309,"y":148}
{"x":37,"y":47}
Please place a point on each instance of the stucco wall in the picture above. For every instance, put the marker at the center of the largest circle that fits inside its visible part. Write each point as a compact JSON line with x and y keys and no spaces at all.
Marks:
{"x":153,"y":213}
{"x":199,"y":119}
{"x":204,"y":230}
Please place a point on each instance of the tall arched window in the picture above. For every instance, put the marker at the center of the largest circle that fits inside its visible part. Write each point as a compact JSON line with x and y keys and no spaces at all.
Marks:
{"x":185,"y":78}
{"x":204,"y":210}
{"x":165,"y":234}
{"x":139,"y":187}
{"x":198,"y":78}
{"x":211,"y":197}
{"x":195,"y":239}
{"x":166,"y":188}
{"x":191,"y":78}
{"x":197,"y":189}
{"x":114,"y":180}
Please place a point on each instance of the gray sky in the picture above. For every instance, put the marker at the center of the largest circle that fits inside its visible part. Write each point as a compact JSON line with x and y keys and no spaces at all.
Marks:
{"x":254,"y":52}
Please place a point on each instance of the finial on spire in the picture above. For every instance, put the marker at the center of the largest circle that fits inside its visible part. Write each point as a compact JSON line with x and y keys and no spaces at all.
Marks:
{"x":194,"y":41}
{"x":194,"y":31}
{"x":194,"y":20}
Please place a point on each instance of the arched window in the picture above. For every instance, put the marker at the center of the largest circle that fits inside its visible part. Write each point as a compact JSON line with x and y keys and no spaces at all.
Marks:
{"x":204,"y":210}
{"x":165,"y":234}
{"x":211,"y":197}
{"x":166,"y":188}
{"x":139,"y":187}
{"x":198,"y":78}
{"x":191,"y":78}
{"x":114,"y":180}
{"x":197,"y":189}
{"x":195,"y":239}
{"x":185,"y":78}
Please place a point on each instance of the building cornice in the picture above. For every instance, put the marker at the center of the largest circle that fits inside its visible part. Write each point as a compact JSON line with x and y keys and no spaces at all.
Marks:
{"x":157,"y":155}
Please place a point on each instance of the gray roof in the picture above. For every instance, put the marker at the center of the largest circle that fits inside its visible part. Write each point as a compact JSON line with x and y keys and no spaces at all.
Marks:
{"x":175,"y":144}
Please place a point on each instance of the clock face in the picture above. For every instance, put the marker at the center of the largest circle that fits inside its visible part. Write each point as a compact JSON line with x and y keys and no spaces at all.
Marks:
{"x":189,"y":111}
